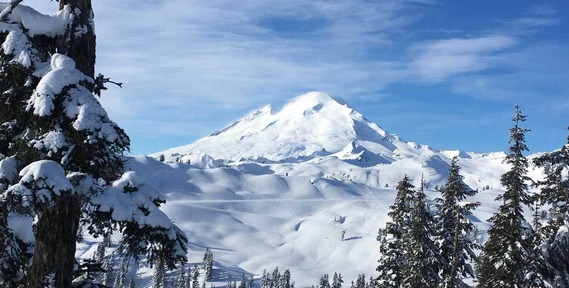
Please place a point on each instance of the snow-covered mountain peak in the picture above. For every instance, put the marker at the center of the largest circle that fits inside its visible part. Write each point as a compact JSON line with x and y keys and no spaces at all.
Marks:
{"x":314,"y":102}
{"x":309,"y":126}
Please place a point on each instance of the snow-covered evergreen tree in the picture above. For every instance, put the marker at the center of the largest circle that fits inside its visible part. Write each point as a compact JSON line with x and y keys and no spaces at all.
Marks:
{"x":421,"y":252}
{"x":275,"y":278}
{"x":324,"y":282}
{"x":265,"y":279}
{"x":555,"y":231}
{"x":251,"y":282}
{"x":285,"y":279}
{"x":123,"y":274}
{"x":505,"y":260}
{"x":337,"y":280}
{"x":361,"y":281}
{"x":392,"y":262}
{"x":456,"y":231}
{"x":243,"y":283}
{"x":159,"y":277}
{"x":195,"y":277}
{"x":208,"y":264}
{"x":108,"y":277}
{"x":61,"y":154}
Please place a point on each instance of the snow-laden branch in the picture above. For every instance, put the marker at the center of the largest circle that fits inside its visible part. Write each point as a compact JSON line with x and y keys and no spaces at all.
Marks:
{"x":6,"y":12}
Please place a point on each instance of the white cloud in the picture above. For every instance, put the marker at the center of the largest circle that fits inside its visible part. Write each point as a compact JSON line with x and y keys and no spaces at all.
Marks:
{"x":438,"y":60}
{"x":201,"y":64}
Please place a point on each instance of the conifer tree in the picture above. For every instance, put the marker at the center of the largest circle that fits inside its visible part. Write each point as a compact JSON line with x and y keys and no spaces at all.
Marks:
{"x":392,"y":262}
{"x":122,"y":276}
{"x":251,"y":283}
{"x":324,"y":282}
{"x":505,"y":259}
{"x":361,"y":281}
{"x":195,"y":277}
{"x":555,"y":232}
{"x":180,"y":281}
{"x":285,"y":279}
{"x":275,"y":279}
{"x":422,"y":253}
{"x":60,"y":151}
{"x":243,"y":283}
{"x":108,"y":277}
{"x":265,"y":279}
{"x":456,"y":231}
{"x":337,"y":280}
{"x":159,"y":277}
{"x":208,"y":264}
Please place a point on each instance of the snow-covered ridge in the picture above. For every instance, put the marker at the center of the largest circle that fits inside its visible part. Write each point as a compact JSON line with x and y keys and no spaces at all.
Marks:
{"x":318,"y":135}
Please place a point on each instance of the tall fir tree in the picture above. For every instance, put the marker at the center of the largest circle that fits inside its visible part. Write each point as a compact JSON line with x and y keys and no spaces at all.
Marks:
{"x":285,"y":279}
{"x":361,"y":281}
{"x":505,"y":259}
{"x":208,"y":264}
{"x":392,"y":263}
{"x":275,"y":279}
{"x":195,"y":277}
{"x":123,"y":274}
{"x":457,"y":233}
{"x":421,"y":252}
{"x":243,"y":283}
{"x":265,"y":279}
{"x":337,"y":280}
{"x":554,"y":233}
{"x":251,"y":283}
{"x":324,"y":282}
{"x":159,"y":276}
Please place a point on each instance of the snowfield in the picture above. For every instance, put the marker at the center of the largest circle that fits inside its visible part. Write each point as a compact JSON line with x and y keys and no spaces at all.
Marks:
{"x":306,"y":188}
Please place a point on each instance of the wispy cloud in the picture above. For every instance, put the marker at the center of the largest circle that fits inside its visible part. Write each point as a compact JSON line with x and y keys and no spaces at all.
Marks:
{"x":438,"y":60}
{"x":201,"y":64}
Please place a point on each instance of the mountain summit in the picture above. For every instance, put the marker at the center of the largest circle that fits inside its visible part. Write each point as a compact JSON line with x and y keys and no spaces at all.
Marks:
{"x":311,"y":125}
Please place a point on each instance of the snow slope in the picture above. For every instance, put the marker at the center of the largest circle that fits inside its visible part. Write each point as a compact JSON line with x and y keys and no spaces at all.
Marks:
{"x":279,"y":188}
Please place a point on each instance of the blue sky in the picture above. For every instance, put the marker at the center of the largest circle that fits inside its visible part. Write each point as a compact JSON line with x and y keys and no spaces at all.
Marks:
{"x":442,"y":73}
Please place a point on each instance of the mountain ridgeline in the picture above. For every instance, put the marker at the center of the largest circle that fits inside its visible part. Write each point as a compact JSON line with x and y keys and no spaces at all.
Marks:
{"x":319,"y":130}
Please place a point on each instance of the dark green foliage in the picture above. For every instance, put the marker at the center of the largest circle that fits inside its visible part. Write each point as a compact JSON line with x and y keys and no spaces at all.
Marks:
{"x":90,"y":152}
{"x":554,"y":235}
{"x":392,"y":262}
{"x":421,"y":252}
{"x":456,"y":231}
{"x":505,"y":260}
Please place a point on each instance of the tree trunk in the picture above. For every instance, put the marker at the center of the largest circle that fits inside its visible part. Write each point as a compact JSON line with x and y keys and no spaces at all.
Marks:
{"x":56,"y":238}
{"x":56,"y":229}
{"x":452,"y":278}
{"x":78,"y":42}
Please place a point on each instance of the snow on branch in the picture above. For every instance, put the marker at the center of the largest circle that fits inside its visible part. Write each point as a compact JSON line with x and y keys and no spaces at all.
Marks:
{"x":40,"y":182}
{"x":6,"y":12}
